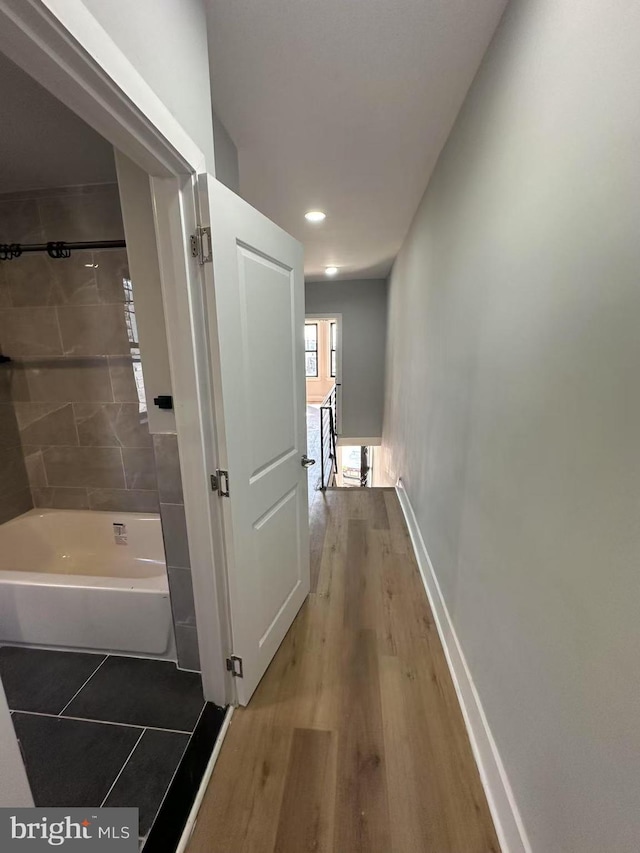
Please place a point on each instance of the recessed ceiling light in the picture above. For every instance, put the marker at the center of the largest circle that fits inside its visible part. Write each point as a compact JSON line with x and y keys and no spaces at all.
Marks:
{"x":315,"y":216}
{"x":331,"y":271}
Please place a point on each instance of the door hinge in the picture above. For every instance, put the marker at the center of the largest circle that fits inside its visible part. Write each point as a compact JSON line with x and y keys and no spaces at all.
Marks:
{"x":201,"y":245}
{"x":234,"y":665}
{"x":217,"y":480}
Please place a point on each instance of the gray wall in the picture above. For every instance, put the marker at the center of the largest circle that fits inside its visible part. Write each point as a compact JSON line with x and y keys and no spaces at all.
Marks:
{"x":513,"y":412}
{"x":363,"y":305}
{"x":226,"y":156}
{"x":166,"y":41}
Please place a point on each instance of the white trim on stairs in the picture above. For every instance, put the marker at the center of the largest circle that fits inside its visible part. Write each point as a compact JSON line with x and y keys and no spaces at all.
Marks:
{"x":502,"y":804}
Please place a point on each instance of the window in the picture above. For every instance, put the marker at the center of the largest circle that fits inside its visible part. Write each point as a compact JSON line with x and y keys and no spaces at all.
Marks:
{"x":333,"y":350}
{"x":132,"y":333}
{"x":311,"y":349}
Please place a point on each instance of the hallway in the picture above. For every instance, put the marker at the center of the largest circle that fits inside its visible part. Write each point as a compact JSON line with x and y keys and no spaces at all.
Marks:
{"x":354,"y":741}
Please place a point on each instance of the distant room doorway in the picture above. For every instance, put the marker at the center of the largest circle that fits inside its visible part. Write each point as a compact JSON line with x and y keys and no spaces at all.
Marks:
{"x":322,"y":370}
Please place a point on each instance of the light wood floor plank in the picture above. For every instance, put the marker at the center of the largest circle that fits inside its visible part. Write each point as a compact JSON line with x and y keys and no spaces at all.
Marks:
{"x":354,"y":741}
{"x":306,"y":814}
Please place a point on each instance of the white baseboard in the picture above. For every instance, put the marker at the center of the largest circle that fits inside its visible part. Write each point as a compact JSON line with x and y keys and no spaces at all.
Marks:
{"x":190,"y":825}
{"x":506,"y":817}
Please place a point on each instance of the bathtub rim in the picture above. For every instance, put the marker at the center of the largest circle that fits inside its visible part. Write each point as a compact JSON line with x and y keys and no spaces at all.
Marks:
{"x":154,"y":583}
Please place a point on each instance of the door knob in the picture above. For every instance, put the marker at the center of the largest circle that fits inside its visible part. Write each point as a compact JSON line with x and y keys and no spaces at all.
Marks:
{"x":306,"y":462}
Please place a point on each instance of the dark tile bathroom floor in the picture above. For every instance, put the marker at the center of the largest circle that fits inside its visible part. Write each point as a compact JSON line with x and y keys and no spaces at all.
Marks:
{"x":106,"y":730}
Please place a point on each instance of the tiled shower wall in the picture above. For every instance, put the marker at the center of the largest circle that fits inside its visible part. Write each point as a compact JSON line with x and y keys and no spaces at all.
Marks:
{"x":63,"y":322}
{"x":15,"y":495}
{"x":69,"y":397}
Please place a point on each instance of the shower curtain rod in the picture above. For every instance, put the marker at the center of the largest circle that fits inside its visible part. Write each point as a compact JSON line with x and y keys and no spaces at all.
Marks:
{"x":57,"y":249}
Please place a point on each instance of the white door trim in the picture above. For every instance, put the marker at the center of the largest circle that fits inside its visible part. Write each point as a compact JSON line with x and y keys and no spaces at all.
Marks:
{"x":175,"y":219}
{"x":61,"y":45}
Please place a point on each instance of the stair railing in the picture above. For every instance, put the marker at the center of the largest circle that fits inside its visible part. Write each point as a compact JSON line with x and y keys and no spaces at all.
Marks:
{"x":328,"y":455}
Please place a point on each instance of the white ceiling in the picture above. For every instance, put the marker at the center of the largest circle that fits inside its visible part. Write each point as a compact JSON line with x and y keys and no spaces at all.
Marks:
{"x":343,"y":106}
{"x":42,"y":143}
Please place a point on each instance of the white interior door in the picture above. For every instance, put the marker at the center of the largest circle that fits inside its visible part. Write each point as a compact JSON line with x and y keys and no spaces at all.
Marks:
{"x":255,"y":305}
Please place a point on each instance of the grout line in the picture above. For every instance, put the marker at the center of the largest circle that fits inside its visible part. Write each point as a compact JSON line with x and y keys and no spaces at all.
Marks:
{"x":59,"y":327}
{"x":103,"y":722}
{"x":124,"y":471}
{"x":75,"y":422}
{"x":122,"y":768}
{"x":113,"y":396}
{"x":204,"y":707}
{"x":83,"y":686}
{"x":177,"y":767}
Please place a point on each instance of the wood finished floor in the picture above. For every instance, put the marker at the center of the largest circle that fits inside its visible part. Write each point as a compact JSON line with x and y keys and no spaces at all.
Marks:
{"x":354,"y":741}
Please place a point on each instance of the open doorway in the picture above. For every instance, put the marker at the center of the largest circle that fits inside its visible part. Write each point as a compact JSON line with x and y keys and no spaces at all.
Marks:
{"x":98,"y":636}
{"x":198,"y":225}
{"x":323,"y":339}
{"x":354,"y":467}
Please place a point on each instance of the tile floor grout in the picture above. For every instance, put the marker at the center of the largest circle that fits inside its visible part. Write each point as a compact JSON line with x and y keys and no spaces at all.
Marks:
{"x":127,"y":762}
{"x":83,"y":686}
{"x":128,"y":759}
{"x":106,"y":722}
{"x":175,"y":771}
{"x":124,"y":766}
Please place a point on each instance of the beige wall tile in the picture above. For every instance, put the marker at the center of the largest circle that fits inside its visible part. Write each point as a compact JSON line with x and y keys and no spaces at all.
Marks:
{"x":139,"y":468}
{"x":28,"y":281}
{"x":123,"y":500}
{"x":112,"y":270}
{"x":46,"y":423}
{"x":60,"y":498}
{"x":75,"y":407}
{"x":75,"y":282}
{"x":13,"y":383}
{"x":111,"y":425}
{"x":15,"y":504}
{"x":98,"y":467}
{"x":35,"y":467}
{"x":122,"y":379}
{"x":14,"y":473}
{"x":37,"y":280}
{"x":5,"y":295}
{"x":69,"y":380}
{"x":9,"y":432}
{"x":93,"y":330}
{"x":28,"y":332}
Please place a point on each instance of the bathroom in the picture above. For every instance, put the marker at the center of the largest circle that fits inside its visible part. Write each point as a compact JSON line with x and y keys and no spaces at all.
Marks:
{"x":98,"y":639}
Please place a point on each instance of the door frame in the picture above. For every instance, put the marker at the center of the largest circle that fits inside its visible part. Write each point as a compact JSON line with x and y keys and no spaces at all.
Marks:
{"x":62,"y":46}
{"x":337,"y":316}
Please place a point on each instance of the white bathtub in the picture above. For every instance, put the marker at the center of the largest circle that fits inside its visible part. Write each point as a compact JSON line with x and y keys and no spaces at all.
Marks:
{"x":65,"y":583}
